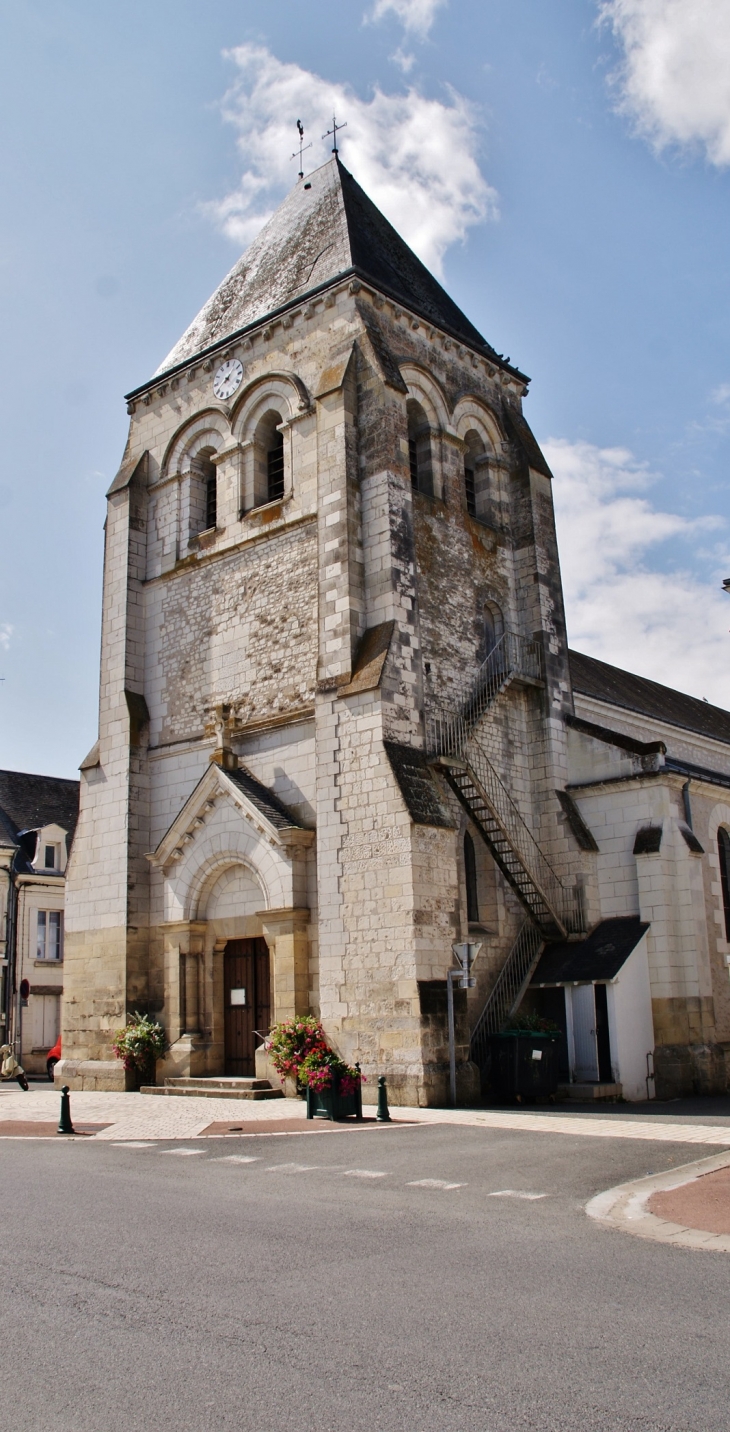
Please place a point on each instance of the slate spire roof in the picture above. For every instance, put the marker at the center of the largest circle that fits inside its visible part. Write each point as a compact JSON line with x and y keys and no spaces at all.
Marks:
{"x":325,"y":229}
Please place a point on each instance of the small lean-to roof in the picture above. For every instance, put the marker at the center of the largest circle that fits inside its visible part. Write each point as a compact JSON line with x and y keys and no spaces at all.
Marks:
{"x":607,"y":683}
{"x":597,"y":958}
{"x":28,"y":802}
{"x":325,"y":228}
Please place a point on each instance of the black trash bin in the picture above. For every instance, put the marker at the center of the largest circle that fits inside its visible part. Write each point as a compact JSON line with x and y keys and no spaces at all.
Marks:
{"x":524,"y":1064}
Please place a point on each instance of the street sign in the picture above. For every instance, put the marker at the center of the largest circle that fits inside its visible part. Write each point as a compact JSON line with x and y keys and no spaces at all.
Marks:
{"x":466,"y":954}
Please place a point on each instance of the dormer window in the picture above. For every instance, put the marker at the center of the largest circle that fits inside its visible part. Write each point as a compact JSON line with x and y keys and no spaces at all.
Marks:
{"x":50,"y":857}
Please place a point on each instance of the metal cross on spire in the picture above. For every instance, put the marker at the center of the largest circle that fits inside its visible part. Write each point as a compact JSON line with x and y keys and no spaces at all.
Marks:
{"x":302,"y":147}
{"x":333,"y":131}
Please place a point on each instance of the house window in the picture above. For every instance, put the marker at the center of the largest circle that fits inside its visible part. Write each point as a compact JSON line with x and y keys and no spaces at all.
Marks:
{"x":723,"y":850}
{"x":420,"y":459}
{"x":49,"y":944}
{"x":470,"y":870}
{"x":49,"y":859}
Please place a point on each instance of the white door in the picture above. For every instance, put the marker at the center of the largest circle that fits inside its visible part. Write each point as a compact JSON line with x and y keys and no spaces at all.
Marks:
{"x":45,"y":1010}
{"x":585,"y":1043}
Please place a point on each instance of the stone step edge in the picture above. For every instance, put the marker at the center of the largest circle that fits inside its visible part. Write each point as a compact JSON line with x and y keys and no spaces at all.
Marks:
{"x":215,"y":1082}
{"x":212,"y":1093}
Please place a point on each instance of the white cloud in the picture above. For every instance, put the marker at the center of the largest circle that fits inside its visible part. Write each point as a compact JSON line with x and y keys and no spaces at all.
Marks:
{"x":621,"y":607}
{"x":721,"y":395}
{"x":416,"y":16}
{"x":415,"y":157}
{"x":6,"y":632}
{"x":674,"y":79}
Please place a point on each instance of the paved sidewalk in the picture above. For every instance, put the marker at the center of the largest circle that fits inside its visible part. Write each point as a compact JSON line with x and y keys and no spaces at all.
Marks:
{"x":139,"y":1116}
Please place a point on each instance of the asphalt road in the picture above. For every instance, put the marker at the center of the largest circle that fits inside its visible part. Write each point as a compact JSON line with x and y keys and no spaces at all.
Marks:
{"x":323,"y":1285}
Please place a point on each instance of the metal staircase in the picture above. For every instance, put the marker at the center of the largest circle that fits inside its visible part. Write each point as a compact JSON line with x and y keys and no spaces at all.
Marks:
{"x":511,"y":984}
{"x":453,"y":743}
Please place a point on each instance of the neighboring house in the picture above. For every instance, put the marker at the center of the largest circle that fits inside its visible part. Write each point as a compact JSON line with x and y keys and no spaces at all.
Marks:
{"x":339,"y":724}
{"x":37,"y":821}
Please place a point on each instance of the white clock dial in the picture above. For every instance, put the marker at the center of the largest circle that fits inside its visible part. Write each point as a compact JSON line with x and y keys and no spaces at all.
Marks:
{"x":228,"y":378}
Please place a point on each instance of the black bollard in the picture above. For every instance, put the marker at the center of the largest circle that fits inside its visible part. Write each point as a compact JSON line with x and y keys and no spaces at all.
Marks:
{"x":64,"y":1124}
{"x":383,"y":1114}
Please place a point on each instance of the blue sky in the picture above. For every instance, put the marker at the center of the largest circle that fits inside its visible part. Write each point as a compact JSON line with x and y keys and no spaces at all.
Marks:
{"x":568,"y":179}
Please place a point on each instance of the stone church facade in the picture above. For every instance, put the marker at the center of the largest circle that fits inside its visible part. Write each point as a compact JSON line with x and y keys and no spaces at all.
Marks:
{"x":338,"y":729}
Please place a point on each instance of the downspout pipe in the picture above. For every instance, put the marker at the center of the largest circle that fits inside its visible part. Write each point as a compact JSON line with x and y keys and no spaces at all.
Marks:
{"x":11,"y":947}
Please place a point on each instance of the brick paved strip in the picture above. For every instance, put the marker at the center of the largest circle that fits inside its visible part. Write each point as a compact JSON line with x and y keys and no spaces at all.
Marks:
{"x":626,"y":1207}
{"x":289,"y":1126}
{"x":704,"y":1203}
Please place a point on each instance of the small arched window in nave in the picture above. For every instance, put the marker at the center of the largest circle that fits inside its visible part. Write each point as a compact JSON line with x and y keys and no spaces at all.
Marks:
{"x":723,"y":850}
{"x":470,"y":872}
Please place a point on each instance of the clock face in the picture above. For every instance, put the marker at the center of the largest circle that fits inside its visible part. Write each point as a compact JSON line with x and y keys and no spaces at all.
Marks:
{"x":228,"y":378}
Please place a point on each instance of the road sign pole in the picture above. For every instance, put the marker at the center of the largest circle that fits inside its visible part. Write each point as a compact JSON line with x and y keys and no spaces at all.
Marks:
{"x":452,"y":1033}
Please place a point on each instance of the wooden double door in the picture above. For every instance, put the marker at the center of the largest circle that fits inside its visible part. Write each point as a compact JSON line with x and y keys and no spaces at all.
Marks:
{"x":247,"y":1002}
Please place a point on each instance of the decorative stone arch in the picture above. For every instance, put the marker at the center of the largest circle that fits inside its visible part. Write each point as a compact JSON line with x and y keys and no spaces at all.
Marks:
{"x":470,"y":413}
{"x":209,"y":875}
{"x":481,"y":440}
{"x":192,"y":457}
{"x":428,"y":392}
{"x":209,"y":429}
{"x":426,"y":424}
{"x":262,"y":424}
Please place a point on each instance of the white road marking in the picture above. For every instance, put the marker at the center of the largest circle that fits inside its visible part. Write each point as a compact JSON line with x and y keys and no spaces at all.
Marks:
{"x":182,"y":1152}
{"x":433,"y":1183}
{"x":235,"y":1158}
{"x":133,"y":1144}
{"x":515,"y":1193}
{"x":291,"y":1168}
{"x":363,"y":1173}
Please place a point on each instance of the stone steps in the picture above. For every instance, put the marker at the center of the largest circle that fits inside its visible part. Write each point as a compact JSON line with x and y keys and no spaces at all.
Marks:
{"x":586,"y":1092}
{"x":215,"y":1088}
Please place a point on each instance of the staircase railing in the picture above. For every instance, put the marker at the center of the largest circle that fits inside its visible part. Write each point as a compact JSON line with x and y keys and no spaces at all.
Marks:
{"x":507,"y":991}
{"x":560,"y":901}
{"x":513,"y":657}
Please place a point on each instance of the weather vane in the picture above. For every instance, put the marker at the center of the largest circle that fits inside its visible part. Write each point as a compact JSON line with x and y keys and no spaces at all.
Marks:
{"x":302,"y":147}
{"x":333,"y":132}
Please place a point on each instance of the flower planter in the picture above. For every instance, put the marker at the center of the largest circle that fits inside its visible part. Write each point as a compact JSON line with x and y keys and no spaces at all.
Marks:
{"x":331,"y":1103}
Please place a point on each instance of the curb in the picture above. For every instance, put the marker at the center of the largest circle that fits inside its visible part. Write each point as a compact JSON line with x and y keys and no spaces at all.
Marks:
{"x":624,"y":1207}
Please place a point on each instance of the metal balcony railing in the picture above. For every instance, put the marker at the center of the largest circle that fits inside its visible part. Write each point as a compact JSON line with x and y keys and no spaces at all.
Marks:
{"x":512,"y":658}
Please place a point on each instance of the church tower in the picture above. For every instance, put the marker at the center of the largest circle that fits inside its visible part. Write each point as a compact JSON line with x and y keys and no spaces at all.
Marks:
{"x":334,"y":673}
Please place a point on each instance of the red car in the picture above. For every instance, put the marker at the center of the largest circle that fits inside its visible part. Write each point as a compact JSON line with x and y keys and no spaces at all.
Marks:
{"x":54,"y":1055}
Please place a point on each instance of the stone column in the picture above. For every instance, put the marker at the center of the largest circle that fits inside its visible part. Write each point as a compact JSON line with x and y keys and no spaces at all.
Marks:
{"x":184,"y":1000}
{"x":285,"y":932}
